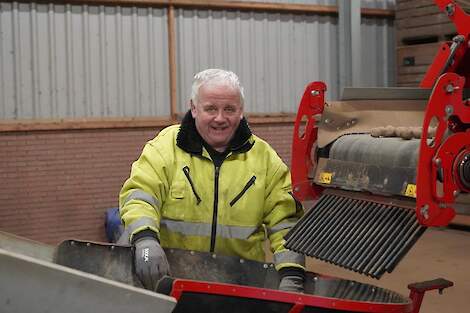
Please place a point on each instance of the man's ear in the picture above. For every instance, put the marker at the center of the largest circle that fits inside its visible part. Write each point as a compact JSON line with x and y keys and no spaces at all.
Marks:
{"x":192,"y":107}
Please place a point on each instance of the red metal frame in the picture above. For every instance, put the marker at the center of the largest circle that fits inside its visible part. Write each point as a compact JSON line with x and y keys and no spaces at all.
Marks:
{"x":461,"y":59}
{"x":305,"y":135}
{"x":299,"y":301}
{"x":417,"y":290}
{"x":437,"y":163}
{"x":437,"y":167}
{"x":437,"y":180}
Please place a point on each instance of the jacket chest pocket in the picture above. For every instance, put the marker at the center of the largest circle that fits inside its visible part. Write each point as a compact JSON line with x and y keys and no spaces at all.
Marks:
{"x":246,"y":202}
{"x":177,"y":202}
{"x":183,"y":196}
{"x":178,"y":190}
{"x":248,"y":185}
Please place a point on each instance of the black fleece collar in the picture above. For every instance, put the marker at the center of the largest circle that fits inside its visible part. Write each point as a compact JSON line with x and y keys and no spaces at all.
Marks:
{"x":190,"y":141}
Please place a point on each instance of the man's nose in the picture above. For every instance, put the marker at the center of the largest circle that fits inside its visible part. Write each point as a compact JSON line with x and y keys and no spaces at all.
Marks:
{"x":219,"y":116}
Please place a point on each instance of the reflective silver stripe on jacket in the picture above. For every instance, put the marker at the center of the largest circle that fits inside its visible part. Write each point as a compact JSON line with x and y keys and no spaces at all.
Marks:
{"x":141,"y":222}
{"x":139,"y":194}
{"x":284,"y":225}
{"x":289,"y":257}
{"x":204,"y":229}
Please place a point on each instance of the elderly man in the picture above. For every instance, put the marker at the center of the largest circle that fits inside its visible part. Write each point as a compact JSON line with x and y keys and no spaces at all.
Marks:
{"x":210,"y":185}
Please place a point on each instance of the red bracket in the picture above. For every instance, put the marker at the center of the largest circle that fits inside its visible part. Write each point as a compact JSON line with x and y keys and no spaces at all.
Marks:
{"x":417,"y":290}
{"x":456,"y":14}
{"x":437,"y":182}
{"x":305,"y":137}
{"x":452,"y":56}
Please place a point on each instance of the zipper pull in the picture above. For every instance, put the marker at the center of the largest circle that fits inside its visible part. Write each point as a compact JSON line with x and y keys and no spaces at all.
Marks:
{"x":186,"y":173}
{"x":247,"y":186}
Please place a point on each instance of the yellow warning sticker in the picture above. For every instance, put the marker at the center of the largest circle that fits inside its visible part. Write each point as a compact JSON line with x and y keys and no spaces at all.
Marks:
{"x":325,"y":178}
{"x":410,"y":190}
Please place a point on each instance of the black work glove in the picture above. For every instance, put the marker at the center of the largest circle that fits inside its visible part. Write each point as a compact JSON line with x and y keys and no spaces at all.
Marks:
{"x":292,"y":279}
{"x":150,"y":262}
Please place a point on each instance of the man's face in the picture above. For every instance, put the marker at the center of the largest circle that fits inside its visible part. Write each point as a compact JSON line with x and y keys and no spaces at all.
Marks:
{"x":217,"y":114}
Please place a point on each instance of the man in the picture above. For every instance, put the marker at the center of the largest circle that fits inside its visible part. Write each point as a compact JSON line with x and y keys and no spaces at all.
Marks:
{"x":210,"y":185}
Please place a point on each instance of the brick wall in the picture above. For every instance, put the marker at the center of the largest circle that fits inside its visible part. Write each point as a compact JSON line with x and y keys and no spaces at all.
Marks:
{"x":58,"y":184}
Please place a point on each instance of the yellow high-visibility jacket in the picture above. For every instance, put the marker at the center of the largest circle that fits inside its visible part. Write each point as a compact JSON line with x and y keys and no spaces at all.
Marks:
{"x":176,"y":191}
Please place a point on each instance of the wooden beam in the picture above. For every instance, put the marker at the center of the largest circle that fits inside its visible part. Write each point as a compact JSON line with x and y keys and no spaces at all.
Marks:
{"x":286,"y":118}
{"x":230,"y":5}
{"x":257,"y":6}
{"x":379,"y":13}
{"x":172,"y":61}
{"x":112,"y":123}
{"x":84,"y":123}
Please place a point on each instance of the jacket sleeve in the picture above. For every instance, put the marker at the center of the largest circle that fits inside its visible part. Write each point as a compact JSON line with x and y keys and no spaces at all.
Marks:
{"x":282,"y":211}
{"x":142,"y":195}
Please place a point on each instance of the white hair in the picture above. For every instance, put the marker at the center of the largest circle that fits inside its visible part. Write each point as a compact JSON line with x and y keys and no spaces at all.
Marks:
{"x":218,"y":76}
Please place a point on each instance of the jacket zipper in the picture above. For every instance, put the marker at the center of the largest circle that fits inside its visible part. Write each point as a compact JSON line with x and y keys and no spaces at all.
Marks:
{"x":216,"y":208}
{"x":247,"y":186}
{"x":186,"y":173}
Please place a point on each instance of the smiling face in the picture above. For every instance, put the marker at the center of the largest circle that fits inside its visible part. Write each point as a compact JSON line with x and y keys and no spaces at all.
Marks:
{"x":217,"y":113}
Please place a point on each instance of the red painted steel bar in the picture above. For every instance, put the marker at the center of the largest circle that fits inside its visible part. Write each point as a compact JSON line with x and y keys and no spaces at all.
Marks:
{"x":454,"y":56}
{"x":305,"y":136}
{"x":299,"y":301}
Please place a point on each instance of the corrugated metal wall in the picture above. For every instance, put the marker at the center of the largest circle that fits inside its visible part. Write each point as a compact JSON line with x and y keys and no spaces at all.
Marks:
{"x":378,"y":47}
{"x":82,"y":61}
{"x":378,"y":4}
{"x":378,"y":52}
{"x":275,"y":55}
{"x":62,"y":61}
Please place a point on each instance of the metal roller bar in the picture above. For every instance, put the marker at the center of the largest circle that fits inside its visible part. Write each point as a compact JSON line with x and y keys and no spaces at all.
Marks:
{"x":360,"y":235}
{"x":301,"y":240}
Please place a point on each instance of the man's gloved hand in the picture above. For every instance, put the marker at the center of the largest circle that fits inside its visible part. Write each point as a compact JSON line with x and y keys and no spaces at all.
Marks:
{"x":292,"y":283}
{"x":150,"y":261}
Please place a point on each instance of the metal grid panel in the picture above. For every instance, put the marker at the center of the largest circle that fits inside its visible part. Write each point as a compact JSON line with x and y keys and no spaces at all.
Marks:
{"x":361,"y":235}
{"x":82,"y":61}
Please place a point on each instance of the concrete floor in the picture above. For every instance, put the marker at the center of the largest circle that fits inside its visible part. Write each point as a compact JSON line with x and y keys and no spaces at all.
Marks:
{"x":440,"y":253}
